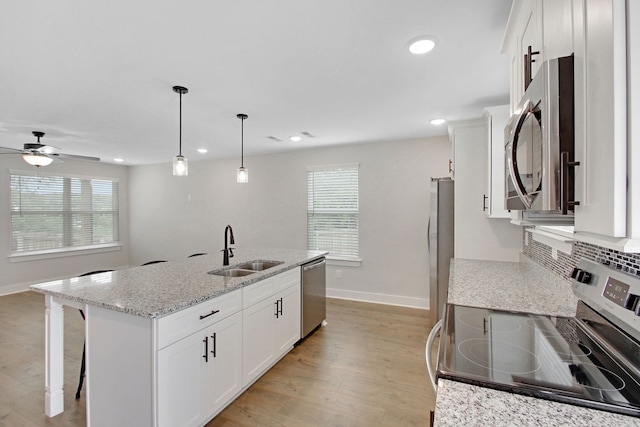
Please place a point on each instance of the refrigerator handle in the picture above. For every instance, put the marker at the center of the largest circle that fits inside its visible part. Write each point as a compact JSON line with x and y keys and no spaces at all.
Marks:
{"x":429,"y":235}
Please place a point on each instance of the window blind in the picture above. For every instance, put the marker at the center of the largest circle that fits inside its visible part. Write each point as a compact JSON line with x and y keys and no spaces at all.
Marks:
{"x":56,"y":212}
{"x":332,"y":210}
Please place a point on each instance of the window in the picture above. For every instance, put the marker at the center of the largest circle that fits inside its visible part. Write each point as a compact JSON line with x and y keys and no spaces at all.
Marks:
{"x":53,"y":213}
{"x":332,"y":210}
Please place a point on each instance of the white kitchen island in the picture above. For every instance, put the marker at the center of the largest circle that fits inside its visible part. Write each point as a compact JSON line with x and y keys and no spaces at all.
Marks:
{"x":170,"y":344}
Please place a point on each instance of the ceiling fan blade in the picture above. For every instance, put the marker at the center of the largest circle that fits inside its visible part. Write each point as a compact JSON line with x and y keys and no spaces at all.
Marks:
{"x":73,"y":156}
{"x":48,"y":149}
{"x":10,"y":149}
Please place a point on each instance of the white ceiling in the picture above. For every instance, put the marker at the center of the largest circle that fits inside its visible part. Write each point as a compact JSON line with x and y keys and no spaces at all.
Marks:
{"x":97,"y":76}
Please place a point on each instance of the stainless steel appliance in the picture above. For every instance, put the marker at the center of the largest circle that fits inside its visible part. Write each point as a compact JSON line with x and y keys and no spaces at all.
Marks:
{"x":539,"y":143}
{"x":314,"y":295}
{"x":592,"y":360}
{"x":440,"y":244}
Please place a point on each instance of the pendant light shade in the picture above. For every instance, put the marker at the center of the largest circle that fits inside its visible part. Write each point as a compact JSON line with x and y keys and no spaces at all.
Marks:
{"x":242,"y":176}
{"x":180,"y":165}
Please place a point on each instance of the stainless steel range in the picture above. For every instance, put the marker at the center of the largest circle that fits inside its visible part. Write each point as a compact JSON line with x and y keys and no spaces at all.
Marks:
{"x":592,"y":360}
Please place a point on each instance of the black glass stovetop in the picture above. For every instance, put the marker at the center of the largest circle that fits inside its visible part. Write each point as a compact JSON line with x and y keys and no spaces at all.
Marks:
{"x":555,"y":358}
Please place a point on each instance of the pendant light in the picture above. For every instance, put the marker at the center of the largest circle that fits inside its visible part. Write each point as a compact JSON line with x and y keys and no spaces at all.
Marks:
{"x":243,"y":174}
{"x":180,"y":165}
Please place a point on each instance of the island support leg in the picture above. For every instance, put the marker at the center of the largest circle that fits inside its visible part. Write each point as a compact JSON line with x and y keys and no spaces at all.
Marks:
{"x":54,"y":357}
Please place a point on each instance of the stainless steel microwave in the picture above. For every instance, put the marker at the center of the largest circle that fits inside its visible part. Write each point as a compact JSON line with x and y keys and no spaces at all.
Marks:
{"x":539,"y":143}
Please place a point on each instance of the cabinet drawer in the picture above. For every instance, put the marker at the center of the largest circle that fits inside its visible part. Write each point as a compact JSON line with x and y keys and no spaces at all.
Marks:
{"x":257,"y":292}
{"x":182,"y":323}
{"x":286,"y":279}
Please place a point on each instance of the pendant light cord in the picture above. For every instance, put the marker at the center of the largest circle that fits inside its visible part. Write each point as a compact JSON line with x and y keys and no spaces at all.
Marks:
{"x":180,"y":137}
{"x":242,"y":142}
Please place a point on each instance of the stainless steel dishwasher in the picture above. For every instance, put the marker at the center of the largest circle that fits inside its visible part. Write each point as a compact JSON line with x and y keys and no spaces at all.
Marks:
{"x":314,"y":295}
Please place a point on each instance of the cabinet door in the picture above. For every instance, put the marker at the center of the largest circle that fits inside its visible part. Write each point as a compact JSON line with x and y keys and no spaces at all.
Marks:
{"x":182,"y":382}
{"x":601,"y":112}
{"x":287,"y":322}
{"x":557,"y":28}
{"x":494,"y":198}
{"x":257,"y":338}
{"x":225,"y":364}
{"x":532,"y":36}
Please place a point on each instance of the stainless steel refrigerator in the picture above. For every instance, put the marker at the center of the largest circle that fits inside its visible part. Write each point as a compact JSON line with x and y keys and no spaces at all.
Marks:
{"x":440,"y":244}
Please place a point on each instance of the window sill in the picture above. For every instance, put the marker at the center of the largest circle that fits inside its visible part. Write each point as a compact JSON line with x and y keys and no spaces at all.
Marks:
{"x":343,"y":261}
{"x":63,"y":252}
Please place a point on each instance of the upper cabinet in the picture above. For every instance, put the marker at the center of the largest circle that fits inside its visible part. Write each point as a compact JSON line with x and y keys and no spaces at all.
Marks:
{"x":602,"y":35}
{"x":496,"y":119}
{"x":537,"y":30}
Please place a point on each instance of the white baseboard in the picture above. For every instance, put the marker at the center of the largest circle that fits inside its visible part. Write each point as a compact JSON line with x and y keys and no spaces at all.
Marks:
{"x":422,"y":303}
{"x":14,"y":289}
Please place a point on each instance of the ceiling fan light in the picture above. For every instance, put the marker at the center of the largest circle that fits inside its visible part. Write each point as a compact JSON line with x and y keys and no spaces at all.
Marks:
{"x":35,"y":159}
{"x":180,"y":166}
{"x":242,"y":175}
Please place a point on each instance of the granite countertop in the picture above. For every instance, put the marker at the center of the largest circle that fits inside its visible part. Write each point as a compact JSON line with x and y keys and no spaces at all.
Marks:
{"x":517,"y":286}
{"x":159,"y":289}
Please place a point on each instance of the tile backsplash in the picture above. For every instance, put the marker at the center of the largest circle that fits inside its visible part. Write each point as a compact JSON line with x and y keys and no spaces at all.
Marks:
{"x":562,"y":264}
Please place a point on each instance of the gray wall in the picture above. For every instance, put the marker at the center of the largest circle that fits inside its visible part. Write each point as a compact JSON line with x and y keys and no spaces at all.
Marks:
{"x":172,"y":217}
{"x":17,"y":274}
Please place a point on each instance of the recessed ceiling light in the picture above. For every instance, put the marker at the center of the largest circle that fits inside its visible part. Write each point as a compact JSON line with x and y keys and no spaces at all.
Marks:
{"x":118,"y":159}
{"x":437,"y":122}
{"x":295,"y":138}
{"x":421,"y":45}
{"x":202,"y":150}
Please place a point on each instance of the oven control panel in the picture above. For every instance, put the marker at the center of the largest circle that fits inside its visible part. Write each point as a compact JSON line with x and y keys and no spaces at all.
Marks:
{"x":613,"y":293}
{"x":616,"y":291}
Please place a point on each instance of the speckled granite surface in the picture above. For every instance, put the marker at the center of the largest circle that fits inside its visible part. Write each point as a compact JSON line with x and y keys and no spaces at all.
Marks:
{"x":158,"y":289}
{"x":459,"y":404}
{"x":518,"y":286}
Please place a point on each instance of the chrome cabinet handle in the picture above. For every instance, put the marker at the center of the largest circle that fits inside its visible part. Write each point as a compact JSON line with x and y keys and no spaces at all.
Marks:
{"x":484,"y":202}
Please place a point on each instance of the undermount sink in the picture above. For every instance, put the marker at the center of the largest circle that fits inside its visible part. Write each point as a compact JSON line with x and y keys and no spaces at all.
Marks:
{"x":245,"y":268}
{"x":232,"y":272}
{"x":259,"y":265}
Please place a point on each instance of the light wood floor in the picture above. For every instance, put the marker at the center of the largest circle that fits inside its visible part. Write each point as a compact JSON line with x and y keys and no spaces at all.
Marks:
{"x":366,"y":368}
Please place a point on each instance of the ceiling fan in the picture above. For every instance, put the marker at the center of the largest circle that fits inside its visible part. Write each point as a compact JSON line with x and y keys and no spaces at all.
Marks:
{"x":38,"y":154}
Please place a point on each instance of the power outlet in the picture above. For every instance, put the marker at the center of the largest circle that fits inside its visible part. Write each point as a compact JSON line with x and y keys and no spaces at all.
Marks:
{"x":339,"y":274}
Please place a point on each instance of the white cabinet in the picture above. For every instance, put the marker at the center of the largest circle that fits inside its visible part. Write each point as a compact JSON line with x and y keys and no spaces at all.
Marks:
{"x":501,"y":241}
{"x":224,"y":379}
{"x":182,"y":382}
{"x":601,"y":118}
{"x":543,"y":27}
{"x":200,"y":373}
{"x":287,"y":323}
{"x":258,"y":339}
{"x":272,"y":324}
{"x":496,"y":119}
